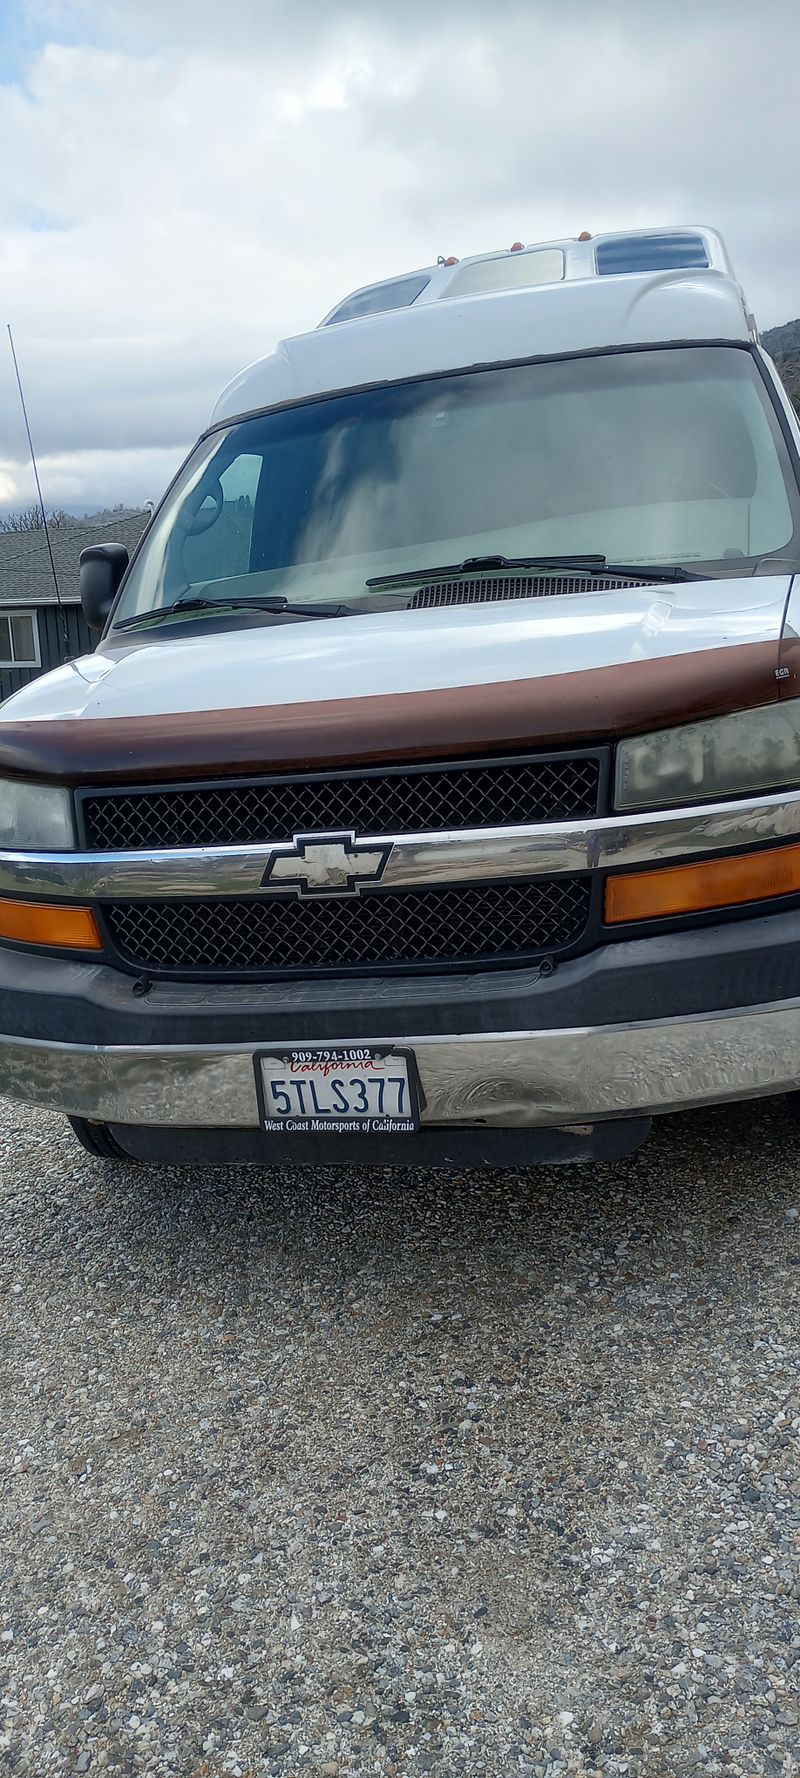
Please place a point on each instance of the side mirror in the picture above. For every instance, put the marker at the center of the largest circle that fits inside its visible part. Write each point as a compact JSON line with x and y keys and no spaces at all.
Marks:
{"x":102,"y":568}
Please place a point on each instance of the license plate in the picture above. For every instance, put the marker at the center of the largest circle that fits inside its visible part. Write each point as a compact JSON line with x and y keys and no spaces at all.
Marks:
{"x":340,"y":1089}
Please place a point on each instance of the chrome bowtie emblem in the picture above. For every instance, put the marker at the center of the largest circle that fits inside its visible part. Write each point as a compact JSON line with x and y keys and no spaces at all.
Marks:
{"x":325,"y":864}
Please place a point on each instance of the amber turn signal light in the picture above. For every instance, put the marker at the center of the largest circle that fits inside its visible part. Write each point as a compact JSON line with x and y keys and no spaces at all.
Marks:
{"x":36,"y":923}
{"x":692,"y":888}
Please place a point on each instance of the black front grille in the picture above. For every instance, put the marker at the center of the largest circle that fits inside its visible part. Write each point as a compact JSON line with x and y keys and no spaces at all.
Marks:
{"x":485,"y":589}
{"x":386,"y":929}
{"x":399,"y":800}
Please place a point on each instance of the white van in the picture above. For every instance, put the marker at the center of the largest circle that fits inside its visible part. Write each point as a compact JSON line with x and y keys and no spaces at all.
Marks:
{"x":434,"y":791}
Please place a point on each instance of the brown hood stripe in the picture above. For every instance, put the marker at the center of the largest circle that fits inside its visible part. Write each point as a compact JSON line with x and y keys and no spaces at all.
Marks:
{"x":596,"y":704}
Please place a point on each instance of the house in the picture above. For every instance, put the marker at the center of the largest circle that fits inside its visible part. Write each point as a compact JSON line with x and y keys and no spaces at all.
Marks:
{"x":32,"y":628}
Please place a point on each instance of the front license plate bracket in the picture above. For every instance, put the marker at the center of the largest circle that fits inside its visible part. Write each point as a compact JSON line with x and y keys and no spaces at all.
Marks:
{"x":338,"y":1088}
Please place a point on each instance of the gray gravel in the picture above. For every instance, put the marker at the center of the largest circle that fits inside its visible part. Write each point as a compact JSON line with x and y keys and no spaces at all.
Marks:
{"x":397,"y":1473}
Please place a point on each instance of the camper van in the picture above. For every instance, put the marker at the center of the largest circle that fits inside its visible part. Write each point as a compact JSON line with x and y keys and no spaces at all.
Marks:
{"x":433,"y":792}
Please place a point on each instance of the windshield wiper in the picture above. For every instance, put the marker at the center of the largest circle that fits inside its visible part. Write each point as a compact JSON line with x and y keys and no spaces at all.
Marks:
{"x":590,"y":565}
{"x":278,"y":604}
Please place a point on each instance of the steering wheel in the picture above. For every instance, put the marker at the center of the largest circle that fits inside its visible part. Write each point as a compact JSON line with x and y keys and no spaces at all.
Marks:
{"x":204,"y":517}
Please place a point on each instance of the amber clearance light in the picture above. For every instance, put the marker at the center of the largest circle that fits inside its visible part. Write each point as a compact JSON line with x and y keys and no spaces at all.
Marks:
{"x":36,"y":923}
{"x":691,"y":888}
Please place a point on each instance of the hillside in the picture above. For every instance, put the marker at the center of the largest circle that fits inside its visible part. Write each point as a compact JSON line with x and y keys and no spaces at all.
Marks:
{"x":783,"y":344}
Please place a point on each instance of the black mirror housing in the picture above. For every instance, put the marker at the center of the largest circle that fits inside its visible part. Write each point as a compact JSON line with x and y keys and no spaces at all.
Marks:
{"x":102,"y":568}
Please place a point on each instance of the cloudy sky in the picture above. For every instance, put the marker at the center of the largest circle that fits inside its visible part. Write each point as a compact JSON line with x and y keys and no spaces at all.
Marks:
{"x":184,"y":181}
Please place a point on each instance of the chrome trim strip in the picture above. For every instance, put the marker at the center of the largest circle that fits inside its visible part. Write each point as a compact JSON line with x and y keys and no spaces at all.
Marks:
{"x":502,"y":1079}
{"x":471,"y":855}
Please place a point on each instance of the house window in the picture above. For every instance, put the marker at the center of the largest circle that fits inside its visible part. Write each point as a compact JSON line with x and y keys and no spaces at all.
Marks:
{"x":19,"y":639}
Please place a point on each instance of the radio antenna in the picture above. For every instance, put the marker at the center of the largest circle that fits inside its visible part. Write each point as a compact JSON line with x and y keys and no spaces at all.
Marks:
{"x":59,"y":600}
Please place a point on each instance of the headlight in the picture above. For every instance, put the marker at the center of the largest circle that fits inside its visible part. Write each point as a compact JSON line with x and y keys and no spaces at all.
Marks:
{"x":753,"y":750}
{"x":35,"y":817}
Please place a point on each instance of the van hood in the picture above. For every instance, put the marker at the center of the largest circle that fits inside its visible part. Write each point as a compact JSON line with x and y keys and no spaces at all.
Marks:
{"x":412,"y":684}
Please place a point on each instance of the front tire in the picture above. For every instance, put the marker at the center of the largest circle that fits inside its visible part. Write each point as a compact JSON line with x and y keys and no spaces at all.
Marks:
{"x":97,"y":1140}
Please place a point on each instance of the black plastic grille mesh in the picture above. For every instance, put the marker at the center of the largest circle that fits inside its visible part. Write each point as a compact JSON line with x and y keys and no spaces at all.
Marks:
{"x":484,"y":589}
{"x":385,"y":928}
{"x":490,"y":794}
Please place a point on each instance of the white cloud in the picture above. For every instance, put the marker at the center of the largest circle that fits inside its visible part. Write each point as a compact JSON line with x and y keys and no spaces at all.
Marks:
{"x":183,"y":183}
{"x":79,"y":479}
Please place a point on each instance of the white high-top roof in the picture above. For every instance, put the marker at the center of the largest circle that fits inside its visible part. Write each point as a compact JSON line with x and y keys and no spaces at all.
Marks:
{"x":655,"y":286}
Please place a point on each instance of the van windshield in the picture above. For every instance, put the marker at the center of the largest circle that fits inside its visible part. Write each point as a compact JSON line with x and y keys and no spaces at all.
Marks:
{"x":663,"y":457}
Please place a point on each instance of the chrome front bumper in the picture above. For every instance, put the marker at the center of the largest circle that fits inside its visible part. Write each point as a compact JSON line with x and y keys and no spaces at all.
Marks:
{"x":503,"y":1079}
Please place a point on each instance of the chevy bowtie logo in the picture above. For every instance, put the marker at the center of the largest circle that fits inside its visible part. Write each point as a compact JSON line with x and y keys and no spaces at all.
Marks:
{"x":325,"y":864}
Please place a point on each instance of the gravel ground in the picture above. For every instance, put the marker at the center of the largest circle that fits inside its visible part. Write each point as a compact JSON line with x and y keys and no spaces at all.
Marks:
{"x":397,"y":1473}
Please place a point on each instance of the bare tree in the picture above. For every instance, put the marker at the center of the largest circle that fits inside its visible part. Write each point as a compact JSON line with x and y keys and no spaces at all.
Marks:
{"x":29,"y":518}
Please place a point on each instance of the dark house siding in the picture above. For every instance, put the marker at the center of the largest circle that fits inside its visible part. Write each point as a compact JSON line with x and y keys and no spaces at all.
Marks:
{"x":82,"y":640}
{"x":26,"y":584}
